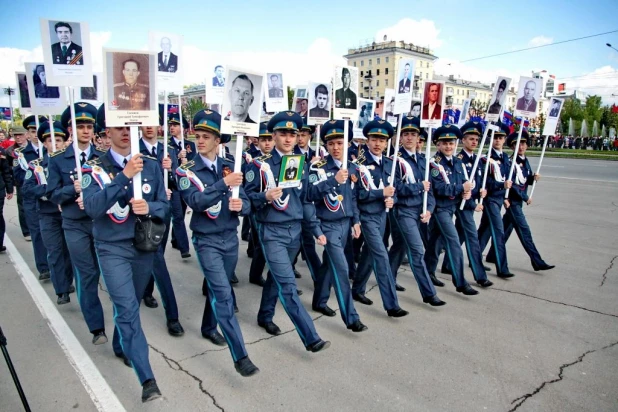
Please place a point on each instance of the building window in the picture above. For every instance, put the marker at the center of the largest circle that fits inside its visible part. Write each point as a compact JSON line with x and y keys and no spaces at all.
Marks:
{"x":386,"y":82}
{"x":378,"y":60}
{"x":426,"y":75}
{"x":377,"y":95}
{"x":370,"y":62}
{"x":362,"y":63}
{"x":361,"y":73}
{"x":427,"y":64}
{"x":377,"y":83}
{"x":386,"y":59}
{"x":354,"y":64}
{"x":362,"y":95}
{"x":421,"y":74}
{"x":377,"y":72}
{"x":361,"y":84}
{"x":386,"y":71}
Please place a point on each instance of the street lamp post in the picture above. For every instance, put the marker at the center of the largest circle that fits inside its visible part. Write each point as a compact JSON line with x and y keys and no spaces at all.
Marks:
{"x":611,"y":47}
{"x":10,"y":91}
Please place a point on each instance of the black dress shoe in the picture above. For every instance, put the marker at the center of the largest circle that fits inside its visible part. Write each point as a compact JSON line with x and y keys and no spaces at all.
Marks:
{"x":399,"y":288}
{"x":124,"y":358}
{"x":467,"y":290}
{"x":446,"y":270}
{"x":397,"y":313}
{"x":260,"y":282}
{"x":2,"y":249}
{"x":150,"y":302}
{"x":357,"y":326}
{"x":434,"y":301}
{"x":362,"y":299}
{"x":244,"y":238}
{"x":505,"y":275}
{"x":250,"y":254}
{"x":436,"y":282}
{"x":99,"y":338}
{"x":234,"y":279}
{"x":490,"y":260}
{"x":63,"y":298}
{"x":297,"y":274}
{"x":150,"y":390}
{"x":318,"y":346}
{"x":484,"y":283}
{"x":405,"y":260}
{"x":71,"y":289}
{"x":543,"y":267}
{"x":487,"y":268}
{"x":174,"y":328}
{"x":185,"y":255}
{"x":44,"y":275}
{"x":299,"y":292}
{"x":245,"y":367}
{"x":326,"y":311}
{"x":174,"y":244}
{"x":215,"y":337}
{"x":270,"y":328}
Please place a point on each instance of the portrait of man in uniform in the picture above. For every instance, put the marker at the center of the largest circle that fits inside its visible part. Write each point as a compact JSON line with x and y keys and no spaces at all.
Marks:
{"x":431,"y":108}
{"x":275,"y":88}
{"x":345,"y":96}
{"x":41,"y":90}
{"x":166,"y":60}
{"x":496,"y":106}
{"x":219,"y":80}
{"x":527,"y":102}
{"x":291,"y":170}
{"x":365,"y":113}
{"x":66,"y":50}
{"x":555,"y":108}
{"x":320,"y":108}
{"x":24,"y":96}
{"x":133,"y":92}
{"x":404,"y":83}
{"x":302,"y":106}
{"x":241,"y":98}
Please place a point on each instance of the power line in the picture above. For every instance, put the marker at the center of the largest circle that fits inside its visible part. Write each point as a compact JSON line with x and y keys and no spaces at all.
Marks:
{"x":538,"y":47}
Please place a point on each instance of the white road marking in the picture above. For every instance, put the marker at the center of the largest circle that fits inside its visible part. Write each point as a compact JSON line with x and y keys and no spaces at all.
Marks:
{"x":585,"y":180}
{"x":100,"y":392}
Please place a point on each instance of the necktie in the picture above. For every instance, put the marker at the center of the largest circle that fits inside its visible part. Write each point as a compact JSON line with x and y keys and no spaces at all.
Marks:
{"x":124,"y":162}
{"x":83,"y":160}
{"x":165,"y":61}
{"x":414,"y":158}
{"x":64,"y":50}
{"x":214,"y":168}
{"x":154,"y":152}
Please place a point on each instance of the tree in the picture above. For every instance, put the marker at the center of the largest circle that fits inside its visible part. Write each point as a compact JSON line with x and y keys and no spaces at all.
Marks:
{"x":592,"y":109}
{"x":572,"y":109}
{"x":191,"y":107}
{"x":17,"y":115}
{"x":290,"y":97}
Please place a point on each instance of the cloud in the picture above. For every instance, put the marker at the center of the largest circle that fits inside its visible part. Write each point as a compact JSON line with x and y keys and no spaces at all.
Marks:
{"x":421,"y":33}
{"x":446,"y":67}
{"x":540,"y":41}
{"x":601,"y":82}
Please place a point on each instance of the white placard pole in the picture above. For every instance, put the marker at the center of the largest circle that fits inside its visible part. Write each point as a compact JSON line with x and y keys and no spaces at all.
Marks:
{"x":237,"y":161}
{"x":222,"y":151}
{"x":395,"y":153}
{"x":427,"y":155}
{"x":137,"y":179}
{"x":317,"y":140}
{"x":476,"y":161}
{"x":53,"y":133}
{"x":78,"y":164}
{"x":40,"y":146}
{"x":346,"y":130}
{"x":165,"y":140}
{"x":538,"y":169}
{"x":182,"y":126}
{"x":510,"y":175}
{"x":491,"y":143}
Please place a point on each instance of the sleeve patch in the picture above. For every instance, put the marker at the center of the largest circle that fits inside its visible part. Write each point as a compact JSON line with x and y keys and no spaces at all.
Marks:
{"x":250,"y":176}
{"x":184,"y":183}
{"x":86,"y":180}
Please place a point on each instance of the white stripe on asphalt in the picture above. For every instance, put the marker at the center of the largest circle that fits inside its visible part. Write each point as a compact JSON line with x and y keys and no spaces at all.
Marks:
{"x":97,"y":387}
{"x":583,"y":180}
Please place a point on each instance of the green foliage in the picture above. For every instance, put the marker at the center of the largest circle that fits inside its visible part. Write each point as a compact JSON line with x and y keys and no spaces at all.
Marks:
{"x":191,"y":107}
{"x":290,"y":97}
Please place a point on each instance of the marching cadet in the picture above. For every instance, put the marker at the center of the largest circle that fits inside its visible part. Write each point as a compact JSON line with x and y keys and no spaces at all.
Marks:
{"x":24,"y":152}
{"x":48,"y":214}
{"x":149,"y":146}
{"x":108,"y":198}
{"x":420,"y":154}
{"x":278,"y":215}
{"x":105,"y":142}
{"x":335,"y":202}
{"x":496,"y":185}
{"x":514,"y":216}
{"x":63,"y":188}
{"x":407,"y":214}
{"x":206,"y":186}
{"x":180,"y":239}
{"x":464,"y":223}
{"x":375,"y":194}
{"x":19,"y":134}
{"x":449,"y":187}
{"x":356,"y":147}
{"x":6,"y":190}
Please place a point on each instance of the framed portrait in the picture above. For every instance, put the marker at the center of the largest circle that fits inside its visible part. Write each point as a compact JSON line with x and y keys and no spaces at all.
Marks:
{"x":553,"y":116}
{"x":291,"y":171}
{"x":215,"y":85}
{"x":463,"y":115}
{"x":130,"y":88}
{"x":415,"y":108}
{"x":498,"y":96}
{"x":242,"y":102}
{"x":66,"y":52}
{"x":44,"y":99}
{"x":365,"y":115}
{"x":405,"y":84}
{"x":345,"y":83}
{"x":276,"y":95}
{"x":528,"y":93}
{"x":320,"y":97}
{"x":388,"y":108}
{"x":300,"y":102}
{"x":433,"y":101}
{"x":169,"y":68}
{"x":22,"y":87}
{"x":93,"y":93}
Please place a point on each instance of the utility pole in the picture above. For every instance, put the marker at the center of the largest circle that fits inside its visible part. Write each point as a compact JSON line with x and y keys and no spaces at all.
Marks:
{"x":10,"y":91}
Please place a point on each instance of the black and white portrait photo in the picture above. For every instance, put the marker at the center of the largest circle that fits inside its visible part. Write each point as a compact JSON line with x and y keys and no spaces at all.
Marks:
{"x":497,"y":98}
{"x":276,"y":98}
{"x":345,"y":83}
{"x":415,"y":108}
{"x":528,"y":97}
{"x":242,"y":101}
{"x":44,"y":99}
{"x":319,"y":102}
{"x":90,"y":93}
{"x":218,"y":79}
{"x":169,"y":69}
{"x":365,"y":113}
{"x":166,"y":60}
{"x":405,"y":76}
{"x":67,"y":49}
{"x":22,"y":85}
{"x":554,"y":109}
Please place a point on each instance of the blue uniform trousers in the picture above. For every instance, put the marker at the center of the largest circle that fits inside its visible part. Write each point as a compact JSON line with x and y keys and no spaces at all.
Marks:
{"x":218,"y":255}
{"x":492,"y":227}
{"x":2,"y":222}
{"x":258,"y":263}
{"x":179,"y":230}
{"x":349,"y":256}
{"x":280,"y":243}
{"x":307,"y":246}
{"x":407,"y":240}
{"x":34,"y":227}
{"x":23,"y":224}
{"x":78,"y":235}
{"x":126,"y":271}
{"x":334,"y":270}
{"x":57,"y":252}
{"x":375,"y":256}
{"x":466,"y":229}
{"x":442,"y":227}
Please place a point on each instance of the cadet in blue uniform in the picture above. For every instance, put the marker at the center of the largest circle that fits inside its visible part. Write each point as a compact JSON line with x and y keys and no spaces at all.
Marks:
{"x":109,"y":200}
{"x":422,"y":139}
{"x":206,"y":186}
{"x":514,"y":217}
{"x":19,"y":134}
{"x":407,"y":214}
{"x":449,"y":186}
{"x":6,"y":190}
{"x":278,"y":216}
{"x":331,"y":188}
{"x":23,"y":155}
{"x":63,"y":188}
{"x":375,"y":194}
{"x":48,"y":214}
{"x":491,"y":223}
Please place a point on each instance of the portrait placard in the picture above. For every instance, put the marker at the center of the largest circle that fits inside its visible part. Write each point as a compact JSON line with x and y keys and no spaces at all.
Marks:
{"x":22,"y":87}
{"x":130,"y":88}
{"x":388,"y":108}
{"x":242,"y":101}
{"x":170,"y":65}
{"x":94,"y":93}
{"x":345,"y":84}
{"x":433,"y":101}
{"x":291,"y":172}
{"x":528,"y":95}
{"x":276,"y":95}
{"x":44,"y":99}
{"x":365,"y":115}
{"x":415,"y":108}
{"x":320,"y":96}
{"x":405,"y":83}
{"x":215,"y":86}
{"x":498,"y":96}
{"x":300,"y":102}
{"x":66,"y":52}
{"x":463,"y":115}
{"x":553,"y":116}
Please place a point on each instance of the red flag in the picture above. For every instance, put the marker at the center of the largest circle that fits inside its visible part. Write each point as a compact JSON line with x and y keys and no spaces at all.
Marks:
{"x":614,"y":108}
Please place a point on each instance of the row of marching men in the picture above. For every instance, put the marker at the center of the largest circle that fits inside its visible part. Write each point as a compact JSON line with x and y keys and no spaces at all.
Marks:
{"x":338,"y":200}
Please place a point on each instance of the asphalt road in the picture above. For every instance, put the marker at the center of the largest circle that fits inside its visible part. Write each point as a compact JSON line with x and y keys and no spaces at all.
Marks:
{"x":542,"y":341}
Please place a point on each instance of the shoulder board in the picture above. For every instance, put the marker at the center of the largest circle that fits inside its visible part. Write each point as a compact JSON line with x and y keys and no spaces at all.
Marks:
{"x":228,"y":161}
{"x":36,"y":161}
{"x":150,"y":157}
{"x":18,"y":150}
{"x":319,"y":163}
{"x":460,"y":156}
{"x":170,"y":147}
{"x":101,"y":149}
{"x":57,"y":152}
{"x":436,"y":159}
{"x":361,"y":160}
{"x":93,"y":162}
{"x":187,"y":165}
{"x":264,"y":157}
{"x":399,"y":154}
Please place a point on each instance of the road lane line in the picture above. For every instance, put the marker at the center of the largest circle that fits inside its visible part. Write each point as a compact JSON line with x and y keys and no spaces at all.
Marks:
{"x":98,"y":389}
{"x":578,"y":178}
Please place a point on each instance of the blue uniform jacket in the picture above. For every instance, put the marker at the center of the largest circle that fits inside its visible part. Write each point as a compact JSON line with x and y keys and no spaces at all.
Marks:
{"x":62,"y":173}
{"x":372,"y":200}
{"x":29,"y":153}
{"x":411,"y":194}
{"x":309,"y":155}
{"x":173,"y":155}
{"x":519,"y":192}
{"x":35,"y":186}
{"x":468,"y":162}
{"x":333,"y":201}
{"x":118,"y":223}
{"x":495,"y":188}
{"x":298,"y":207}
{"x":189,"y":147}
{"x":353,"y":151}
{"x":210,"y":199}
{"x":448,"y":195}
